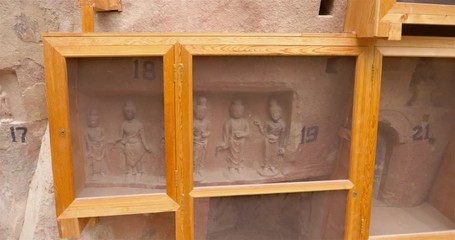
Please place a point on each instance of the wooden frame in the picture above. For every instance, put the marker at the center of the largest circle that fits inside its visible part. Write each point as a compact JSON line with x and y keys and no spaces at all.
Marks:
{"x":72,"y":212}
{"x":384,"y":18}
{"x":177,"y":51}
{"x":366,"y":102}
{"x":409,"y":47}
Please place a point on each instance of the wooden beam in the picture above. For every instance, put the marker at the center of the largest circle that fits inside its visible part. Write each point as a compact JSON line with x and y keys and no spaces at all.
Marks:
{"x":87,"y":15}
{"x":442,"y":235}
{"x":395,"y":31}
{"x":108,"y":5}
{"x":272,"y":188}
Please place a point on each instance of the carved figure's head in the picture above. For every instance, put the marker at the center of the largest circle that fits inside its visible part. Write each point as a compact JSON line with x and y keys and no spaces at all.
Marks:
{"x":274,"y":110}
{"x":200,"y":111}
{"x":129,"y":111}
{"x":237,"y":109}
{"x":93,"y":118}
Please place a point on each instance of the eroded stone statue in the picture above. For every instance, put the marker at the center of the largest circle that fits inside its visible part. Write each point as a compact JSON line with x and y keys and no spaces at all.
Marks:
{"x":95,"y":143}
{"x":133,"y":140}
{"x":200,"y":134}
{"x":274,"y":132}
{"x":235,"y":132}
{"x":5,"y":111}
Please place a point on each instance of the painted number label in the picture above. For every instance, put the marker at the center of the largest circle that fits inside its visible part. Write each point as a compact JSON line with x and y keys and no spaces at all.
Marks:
{"x":22,"y":131}
{"x":421,"y":133}
{"x":309,"y":134}
{"x":144,"y":70}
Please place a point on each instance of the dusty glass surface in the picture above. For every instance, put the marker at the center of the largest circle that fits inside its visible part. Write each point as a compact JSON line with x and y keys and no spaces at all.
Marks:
{"x":271,"y":119}
{"x":414,"y":187}
{"x":116,"y":111}
{"x":303,"y":216}
{"x":155,"y":226}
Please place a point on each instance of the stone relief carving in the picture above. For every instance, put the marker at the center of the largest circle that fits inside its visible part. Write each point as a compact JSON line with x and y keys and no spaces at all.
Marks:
{"x":95,"y":143}
{"x":236,"y":130}
{"x":5,"y":111}
{"x":274,"y":132}
{"x":201,"y":132}
{"x":133,"y":141}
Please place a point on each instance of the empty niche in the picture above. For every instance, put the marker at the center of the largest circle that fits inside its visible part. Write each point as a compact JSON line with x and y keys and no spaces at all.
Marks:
{"x":276,"y":216}
{"x":154,"y":226}
{"x":326,"y":7}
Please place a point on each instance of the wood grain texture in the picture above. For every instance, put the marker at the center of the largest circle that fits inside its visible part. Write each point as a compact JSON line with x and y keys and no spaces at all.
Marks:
{"x":361,"y":18}
{"x":113,"y":51}
{"x":58,"y":109}
{"x":108,"y":5}
{"x":364,"y":130}
{"x":72,"y":228}
{"x":184,"y":110}
{"x":395,"y":31}
{"x":417,"y":52}
{"x":119,"y":205}
{"x":411,"y":18}
{"x":272,"y":188}
{"x":247,"y":50}
{"x":169,"y":123}
{"x":383,"y":7}
{"x":367,"y":175}
{"x":94,"y":39}
{"x":88,"y":17}
{"x":427,"y":9}
{"x":56,"y":83}
{"x":443,"y":235}
{"x":420,"y":42}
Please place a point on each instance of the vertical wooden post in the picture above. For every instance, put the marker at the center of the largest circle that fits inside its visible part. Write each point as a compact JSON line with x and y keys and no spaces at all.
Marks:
{"x":88,"y":16}
{"x":363,"y":146}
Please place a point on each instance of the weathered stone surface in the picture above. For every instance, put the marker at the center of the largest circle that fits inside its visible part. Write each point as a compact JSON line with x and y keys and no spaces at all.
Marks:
{"x":223,"y":16}
{"x":29,"y":73}
{"x":10,"y":87}
{"x":26,"y":29}
{"x":39,"y":220}
{"x":35,"y":102}
{"x":18,"y":163}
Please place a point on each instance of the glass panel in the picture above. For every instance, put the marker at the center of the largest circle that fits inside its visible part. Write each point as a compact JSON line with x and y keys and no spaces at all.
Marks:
{"x":318,"y":215}
{"x":156,"y":226}
{"x":271,"y":119}
{"x":448,"y":2}
{"x":414,"y":187}
{"x":116,"y":111}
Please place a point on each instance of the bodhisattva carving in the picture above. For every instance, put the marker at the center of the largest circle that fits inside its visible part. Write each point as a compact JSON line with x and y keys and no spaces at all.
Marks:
{"x":5,"y":111}
{"x":200,"y":134}
{"x":133,"y":140}
{"x":235,"y":132}
{"x":274,"y":133}
{"x":95,"y":144}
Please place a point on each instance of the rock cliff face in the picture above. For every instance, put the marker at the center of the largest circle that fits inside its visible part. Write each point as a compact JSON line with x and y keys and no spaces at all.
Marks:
{"x":26,"y":187}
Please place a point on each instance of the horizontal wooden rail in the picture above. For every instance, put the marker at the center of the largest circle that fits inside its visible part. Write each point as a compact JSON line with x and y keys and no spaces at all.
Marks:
{"x":123,"y":205}
{"x":443,"y":235}
{"x":272,"y":188}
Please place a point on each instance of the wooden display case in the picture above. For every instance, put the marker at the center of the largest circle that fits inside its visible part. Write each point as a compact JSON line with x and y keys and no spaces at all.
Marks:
{"x":256,"y":129}
{"x":414,"y":161}
{"x":385,"y":18}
